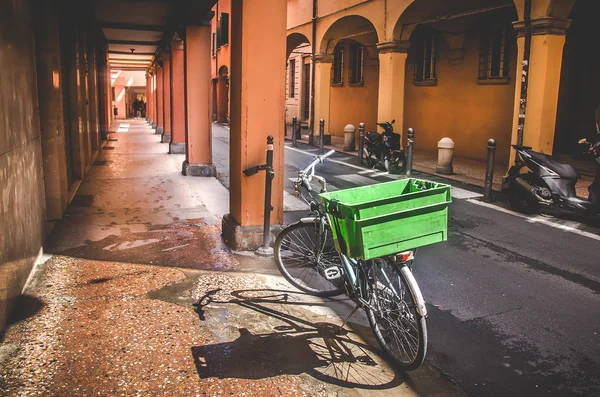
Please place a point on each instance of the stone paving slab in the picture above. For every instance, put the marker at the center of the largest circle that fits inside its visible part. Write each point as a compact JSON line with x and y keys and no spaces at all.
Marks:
{"x":115,"y":328}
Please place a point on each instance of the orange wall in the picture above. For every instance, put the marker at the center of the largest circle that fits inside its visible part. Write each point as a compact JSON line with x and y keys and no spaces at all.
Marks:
{"x":223,"y":56}
{"x":354,"y":105}
{"x":459,"y":107}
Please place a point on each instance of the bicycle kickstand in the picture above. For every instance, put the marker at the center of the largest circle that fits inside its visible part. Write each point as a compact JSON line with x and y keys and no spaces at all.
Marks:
{"x":346,"y":320}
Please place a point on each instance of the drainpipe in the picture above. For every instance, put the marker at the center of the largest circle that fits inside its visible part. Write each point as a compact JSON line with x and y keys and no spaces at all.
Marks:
{"x":525,"y":75}
{"x":312,"y":70}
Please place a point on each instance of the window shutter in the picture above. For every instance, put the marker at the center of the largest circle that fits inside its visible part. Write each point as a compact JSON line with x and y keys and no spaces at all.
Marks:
{"x":224,"y":28}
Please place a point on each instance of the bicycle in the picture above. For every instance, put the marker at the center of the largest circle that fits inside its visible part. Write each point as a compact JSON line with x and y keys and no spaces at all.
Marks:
{"x":308,"y":257}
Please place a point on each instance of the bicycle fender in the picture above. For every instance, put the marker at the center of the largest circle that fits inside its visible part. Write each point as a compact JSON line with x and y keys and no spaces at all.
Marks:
{"x":312,"y":219}
{"x":415,"y":291}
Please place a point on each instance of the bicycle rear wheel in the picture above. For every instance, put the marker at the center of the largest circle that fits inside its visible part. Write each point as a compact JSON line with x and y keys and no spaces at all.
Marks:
{"x":303,"y":253}
{"x":399,"y":329}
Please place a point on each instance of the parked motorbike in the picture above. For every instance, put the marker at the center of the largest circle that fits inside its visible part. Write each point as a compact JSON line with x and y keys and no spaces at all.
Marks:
{"x":383,"y":150}
{"x":551,"y":184}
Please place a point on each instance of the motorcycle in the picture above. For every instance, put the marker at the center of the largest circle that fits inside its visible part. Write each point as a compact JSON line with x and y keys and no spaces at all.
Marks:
{"x":551,"y":184}
{"x":383,"y":150}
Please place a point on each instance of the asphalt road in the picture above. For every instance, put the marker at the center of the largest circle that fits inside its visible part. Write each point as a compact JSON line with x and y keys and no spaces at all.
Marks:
{"x":514,"y":301}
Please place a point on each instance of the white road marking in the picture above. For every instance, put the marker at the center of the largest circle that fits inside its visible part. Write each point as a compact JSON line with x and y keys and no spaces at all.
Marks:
{"x":357,"y":179}
{"x":567,"y":226}
{"x":462,"y":194}
{"x":329,"y":159}
{"x":457,"y":193}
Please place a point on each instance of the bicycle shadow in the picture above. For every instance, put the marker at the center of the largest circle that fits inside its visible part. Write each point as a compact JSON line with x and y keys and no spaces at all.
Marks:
{"x":293,"y":347}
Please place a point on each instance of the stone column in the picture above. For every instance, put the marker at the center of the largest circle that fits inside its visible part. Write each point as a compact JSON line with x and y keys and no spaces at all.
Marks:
{"x":257,"y":103}
{"x":198,"y":153}
{"x":392,"y":66}
{"x":153,"y":97}
{"x":160,"y":108}
{"x":323,"y":64}
{"x":167,"y":100}
{"x":545,"y":61}
{"x":147,"y":97}
{"x":222,"y":93}
{"x":48,"y":65}
{"x":177,"y":145}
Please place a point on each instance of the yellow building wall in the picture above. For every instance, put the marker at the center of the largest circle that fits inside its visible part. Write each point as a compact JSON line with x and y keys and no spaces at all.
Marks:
{"x":299,"y":12}
{"x":354,"y":105}
{"x":459,"y":106}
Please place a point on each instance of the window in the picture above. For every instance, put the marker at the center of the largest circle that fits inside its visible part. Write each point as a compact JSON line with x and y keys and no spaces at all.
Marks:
{"x":292,"y":78}
{"x":113,"y":93}
{"x":356,"y":64}
{"x":223,"y":30}
{"x":425,"y":59}
{"x":493,"y":56}
{"x":338,"y":68}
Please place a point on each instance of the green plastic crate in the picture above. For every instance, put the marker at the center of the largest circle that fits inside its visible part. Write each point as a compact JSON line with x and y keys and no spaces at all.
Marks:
{"x":390,"y":217}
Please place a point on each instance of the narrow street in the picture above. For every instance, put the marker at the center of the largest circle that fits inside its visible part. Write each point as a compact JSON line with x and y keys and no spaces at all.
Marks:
{"x":513,"y":301}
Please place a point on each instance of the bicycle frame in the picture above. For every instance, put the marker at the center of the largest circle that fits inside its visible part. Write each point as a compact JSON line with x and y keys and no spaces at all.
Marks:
{"x":352,"y":279}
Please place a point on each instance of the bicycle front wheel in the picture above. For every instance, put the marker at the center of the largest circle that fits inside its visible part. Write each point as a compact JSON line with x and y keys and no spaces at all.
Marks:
{"x":303,"y":252}
{"x":399,"y":329}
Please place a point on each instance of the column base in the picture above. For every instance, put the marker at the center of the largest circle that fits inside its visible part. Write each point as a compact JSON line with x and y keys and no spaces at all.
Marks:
{"x":160,"y":130}
{"x":166,"y":138}
{"x":444,"y":170}
{"x":246,"y":238}
{"x":154,"y":125}
{"x":176,"y":148}
{"x":198,"y":169}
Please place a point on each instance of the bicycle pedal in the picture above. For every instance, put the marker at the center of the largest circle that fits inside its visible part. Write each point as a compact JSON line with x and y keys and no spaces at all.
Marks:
{"x":332,"y":273}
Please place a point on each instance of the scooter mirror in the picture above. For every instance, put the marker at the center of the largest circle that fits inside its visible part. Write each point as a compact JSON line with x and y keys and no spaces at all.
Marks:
{"x":582,"y":140}
{"x":393,"y":121}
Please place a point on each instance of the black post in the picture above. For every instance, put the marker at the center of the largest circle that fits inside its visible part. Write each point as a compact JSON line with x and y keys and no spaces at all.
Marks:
{"x":361,"y":138}
{"x":489,"y":171}
{"x":321,"y":135}
{"x":294,"y":136}
{"x":270,"y":174}
{"x":409,"y":155}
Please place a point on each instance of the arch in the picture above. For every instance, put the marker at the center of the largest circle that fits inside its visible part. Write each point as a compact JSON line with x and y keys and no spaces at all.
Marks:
{"x":293,"y":41}
{"x":430,"y":11}
{"x":355,"y":27}
{"x":223,"y":71}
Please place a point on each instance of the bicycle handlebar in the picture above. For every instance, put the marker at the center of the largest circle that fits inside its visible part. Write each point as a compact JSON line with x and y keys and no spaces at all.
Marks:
{"x":308,"y":173}
{"x":317,"y":160}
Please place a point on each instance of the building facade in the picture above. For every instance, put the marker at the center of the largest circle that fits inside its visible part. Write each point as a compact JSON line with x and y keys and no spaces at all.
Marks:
{"x":451,"y":69}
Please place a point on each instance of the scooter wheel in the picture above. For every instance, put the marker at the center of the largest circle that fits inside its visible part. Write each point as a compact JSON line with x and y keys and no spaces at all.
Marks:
{"x":396,"y":164}
{"x":519,"y":200}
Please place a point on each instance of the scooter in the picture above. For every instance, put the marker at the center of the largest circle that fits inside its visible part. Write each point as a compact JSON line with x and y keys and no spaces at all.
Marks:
{"x":551,"y":184}
{"x":383,"y":150}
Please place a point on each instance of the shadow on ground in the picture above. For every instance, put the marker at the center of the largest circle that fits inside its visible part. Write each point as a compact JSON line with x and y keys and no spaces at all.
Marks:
{"x":292,"y":347}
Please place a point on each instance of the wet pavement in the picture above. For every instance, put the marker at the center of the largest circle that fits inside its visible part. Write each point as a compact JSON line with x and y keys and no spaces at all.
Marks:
{"x":139,"y":296}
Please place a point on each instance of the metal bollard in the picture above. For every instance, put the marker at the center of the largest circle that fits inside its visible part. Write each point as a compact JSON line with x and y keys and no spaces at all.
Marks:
{"x":321,"y":135}
{"x":489,"y":171}
{"x":294,"y":136}
{"x":361,"y":139}
{"x":409,"y":151}
{"x":266,"y":249}
{"x":270,"y":174}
